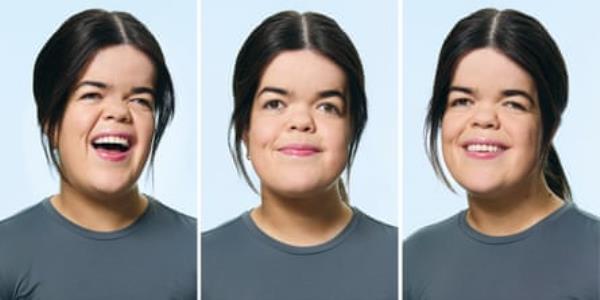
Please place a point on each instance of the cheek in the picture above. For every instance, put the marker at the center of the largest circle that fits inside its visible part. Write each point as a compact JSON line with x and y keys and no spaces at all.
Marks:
{"x":145,"y":127}
{"x":261,"y":134}
{"x":75,"y":126}
{"x":336,"y":137}
{"x":449,"y":131}
{"x":529,"y":136}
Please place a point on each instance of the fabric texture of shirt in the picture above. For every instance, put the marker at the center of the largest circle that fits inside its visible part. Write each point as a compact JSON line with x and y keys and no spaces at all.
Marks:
{"x":45,"y":256}
{"x":557,"y":258}
{"x":239,"y":261}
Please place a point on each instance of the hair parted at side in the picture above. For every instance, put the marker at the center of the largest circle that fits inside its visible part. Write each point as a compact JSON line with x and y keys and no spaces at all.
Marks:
{"x":66,"y":55}
{"x":526,"y":42}
{"x":285,"y":31}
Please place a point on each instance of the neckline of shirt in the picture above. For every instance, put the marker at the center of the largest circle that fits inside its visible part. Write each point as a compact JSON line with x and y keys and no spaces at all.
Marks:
{"x":97,"y":235}
{"x":488,"y":239}
{"x":357,"y":216}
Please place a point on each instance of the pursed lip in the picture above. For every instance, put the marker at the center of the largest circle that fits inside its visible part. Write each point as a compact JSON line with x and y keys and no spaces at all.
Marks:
{"x":301,"y":150}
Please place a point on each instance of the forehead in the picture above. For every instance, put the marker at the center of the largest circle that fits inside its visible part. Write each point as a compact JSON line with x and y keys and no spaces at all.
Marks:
{"x":488,"y":70}
{"x":303,"y":71}
{"x":120,"y":65}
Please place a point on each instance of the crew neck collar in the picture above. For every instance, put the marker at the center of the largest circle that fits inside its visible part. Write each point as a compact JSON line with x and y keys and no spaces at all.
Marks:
{"x":357,"y":216}
{"x":96,"y":235}
{"x":488,"y":239}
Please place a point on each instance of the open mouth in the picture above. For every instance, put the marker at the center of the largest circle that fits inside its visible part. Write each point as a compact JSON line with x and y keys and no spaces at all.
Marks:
{"x":112,"y":144}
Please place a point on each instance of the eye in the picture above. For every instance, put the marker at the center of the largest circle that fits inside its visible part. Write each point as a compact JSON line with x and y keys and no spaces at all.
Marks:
{"x":330,"y":108}
{"x":274,"y":105}
{"x":91,"y":96}
{"x":460,"y":102}
{"x":515,"y":105}
{"x":147,"y":103}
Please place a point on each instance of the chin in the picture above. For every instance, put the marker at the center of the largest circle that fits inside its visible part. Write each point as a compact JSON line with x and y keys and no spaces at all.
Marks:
{"x":483,"y":189}
{"x":112,"y":186}
{"x":299,"y":189}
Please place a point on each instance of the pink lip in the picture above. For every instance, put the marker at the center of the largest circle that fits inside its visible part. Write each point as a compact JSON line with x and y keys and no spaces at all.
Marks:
{"x":114,"y":156}
{"x":302,"y":150}
{"x":484,"y":155}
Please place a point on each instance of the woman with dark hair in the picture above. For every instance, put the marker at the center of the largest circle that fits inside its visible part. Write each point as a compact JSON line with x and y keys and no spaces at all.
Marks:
{"x":299,"y":111}
{"x":500,"y":89}
{"x":104,"y":97}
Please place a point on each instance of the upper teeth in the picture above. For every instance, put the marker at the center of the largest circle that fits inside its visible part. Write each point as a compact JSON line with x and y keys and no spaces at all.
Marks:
{"x":483,"y":148}
{"x":112,"y":140}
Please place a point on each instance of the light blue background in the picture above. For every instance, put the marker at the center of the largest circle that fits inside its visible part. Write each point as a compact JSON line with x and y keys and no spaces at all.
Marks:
{"x":372,"y":26}
{"x":574,"y":27}
{"x":25,"y":26}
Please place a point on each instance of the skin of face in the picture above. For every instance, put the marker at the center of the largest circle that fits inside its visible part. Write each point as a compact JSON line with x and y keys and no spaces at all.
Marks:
{"x":299,"y":126}
{"x":492,"y":102}
{"x":113,"y":97}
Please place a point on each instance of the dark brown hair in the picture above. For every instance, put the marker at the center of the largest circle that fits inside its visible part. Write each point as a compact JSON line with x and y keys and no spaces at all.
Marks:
{"x":527,"y":43}
{"x":290,"y":30}
{"x":68,"y":52}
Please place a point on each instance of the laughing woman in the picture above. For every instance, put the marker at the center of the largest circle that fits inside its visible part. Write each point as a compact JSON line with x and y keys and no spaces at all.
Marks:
{"x":300,"y":108}
{"x":499,"y":93}
{"x":104,"y":98}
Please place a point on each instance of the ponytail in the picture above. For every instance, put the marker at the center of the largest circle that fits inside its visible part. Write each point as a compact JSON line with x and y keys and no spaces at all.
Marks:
{"x":555,"y":175}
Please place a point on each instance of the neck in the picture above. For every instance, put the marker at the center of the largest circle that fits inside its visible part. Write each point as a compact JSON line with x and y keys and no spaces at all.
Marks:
{"x":513,"y":211}
{"x":302,"y":220}
{"x":102,"y":213}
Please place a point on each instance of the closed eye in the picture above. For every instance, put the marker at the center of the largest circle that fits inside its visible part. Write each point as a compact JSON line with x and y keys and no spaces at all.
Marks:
{"x":143,"y":102}
{"x":515,"y":105}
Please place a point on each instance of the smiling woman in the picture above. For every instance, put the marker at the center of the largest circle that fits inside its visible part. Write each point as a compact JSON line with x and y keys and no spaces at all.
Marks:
{"x":300,"y":109}
{"x":499,"y":93}
{"x":104,"y":98}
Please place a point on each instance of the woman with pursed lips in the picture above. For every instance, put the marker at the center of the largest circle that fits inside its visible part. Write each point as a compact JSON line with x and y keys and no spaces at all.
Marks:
{"x":300,"y":108}
{"x":104,"y":98}
{"x":499,"y":92}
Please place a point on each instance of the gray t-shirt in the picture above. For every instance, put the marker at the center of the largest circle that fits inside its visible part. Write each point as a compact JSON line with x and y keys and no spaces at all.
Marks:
{"x":558,"y":258}
{"x":239,"y":261}
{"x":45,"y":256}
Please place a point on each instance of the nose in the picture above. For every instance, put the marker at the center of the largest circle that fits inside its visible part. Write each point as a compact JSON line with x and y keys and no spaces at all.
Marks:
{"x":116,"y":109}
{"x":485,"y":117}
{"x":301,"y":120}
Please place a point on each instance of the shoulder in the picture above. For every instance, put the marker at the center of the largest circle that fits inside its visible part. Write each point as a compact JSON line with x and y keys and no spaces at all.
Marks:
{"x":374,"y":228}
{"x":584,"y":216}
{"x":431,"y":236}
{"x":170,"y":217}
{"x":576,"y":223}
{"x":20,"y":237}
{"x":23,"y":223}
{"x":224,"y":233}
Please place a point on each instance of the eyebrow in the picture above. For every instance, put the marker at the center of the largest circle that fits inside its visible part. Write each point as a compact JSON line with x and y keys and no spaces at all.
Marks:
{"x":332,"y":93}
{"x":509,"y":93}
{"x":102,"y":85}
{"x":505,"y":93}
{"x":97,"y":84}
{"x":271,"y":89}
{"x":322,"y":94}
{"x":143,"y":90}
